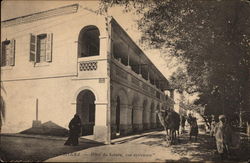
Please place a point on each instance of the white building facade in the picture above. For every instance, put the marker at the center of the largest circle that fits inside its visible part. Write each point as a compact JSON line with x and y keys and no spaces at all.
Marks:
{"x":67,"y":61}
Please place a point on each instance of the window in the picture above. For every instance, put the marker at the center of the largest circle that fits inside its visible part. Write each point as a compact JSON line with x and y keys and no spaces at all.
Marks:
{"x":89,"y":42}
{"x":8,"y":53}
{"x":41,"y":48}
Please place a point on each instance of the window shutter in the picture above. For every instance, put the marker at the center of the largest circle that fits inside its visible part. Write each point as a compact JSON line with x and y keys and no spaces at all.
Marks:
{"x":33,"y":48}
{"x":12,"y":53}
{"x":49,"y":47}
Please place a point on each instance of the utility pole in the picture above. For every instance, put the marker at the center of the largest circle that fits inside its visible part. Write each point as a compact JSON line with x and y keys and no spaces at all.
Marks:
{"x":36,"y":109}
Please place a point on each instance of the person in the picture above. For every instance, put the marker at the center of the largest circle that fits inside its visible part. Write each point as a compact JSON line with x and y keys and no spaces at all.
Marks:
{"x":189,"y":118}
{"x":183,"y":121}
{"x":193,"y":128}
{"x":213,"y":124}
{"x":74,"y":131}
{"x":222,"y":133}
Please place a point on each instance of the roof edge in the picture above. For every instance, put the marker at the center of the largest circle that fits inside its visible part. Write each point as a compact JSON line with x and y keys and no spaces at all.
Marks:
{"x":41,"y":15}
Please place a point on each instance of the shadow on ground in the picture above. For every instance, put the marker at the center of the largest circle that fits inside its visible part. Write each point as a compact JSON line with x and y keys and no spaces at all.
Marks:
{"x":134,"y":136}
{"x":37,"y":149}
{"x":204,"y":149}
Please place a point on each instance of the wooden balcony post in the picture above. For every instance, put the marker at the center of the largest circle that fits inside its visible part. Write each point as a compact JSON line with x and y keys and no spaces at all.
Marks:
{"x":140,"y":66}
{"x":148,"y":74}
{"x":128,"y":57}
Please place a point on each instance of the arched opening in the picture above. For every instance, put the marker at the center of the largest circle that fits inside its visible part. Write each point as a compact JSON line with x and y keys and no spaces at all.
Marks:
{"x":134,"y":113}
{"x":86,"y":110}
{"x":158,"y":123}
{"x":118,"y":109}
{"x":121,"y":113}
{"x":152,"y":116}
{"x":144,"y":114}
{"x":89,"y":42}
{"x":132,"y":117}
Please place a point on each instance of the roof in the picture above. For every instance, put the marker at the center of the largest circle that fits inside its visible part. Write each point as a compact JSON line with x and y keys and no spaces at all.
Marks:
{"x":40,"y":15}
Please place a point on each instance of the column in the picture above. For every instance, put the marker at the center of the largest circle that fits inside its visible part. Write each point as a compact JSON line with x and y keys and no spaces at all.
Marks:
{"x":148,"y":74}
{"x":153,"y":118}
{"x":113,"y":119}
{"x":101,"y":128}
{"x":128,"y":57}
{"x":129,"y":119}
{"x":139,"y":66}
{"x":146,"y":121}
{"x":104,"y":46}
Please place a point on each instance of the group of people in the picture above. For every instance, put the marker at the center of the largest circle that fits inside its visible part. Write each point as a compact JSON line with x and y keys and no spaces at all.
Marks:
{"x":221,"y":131}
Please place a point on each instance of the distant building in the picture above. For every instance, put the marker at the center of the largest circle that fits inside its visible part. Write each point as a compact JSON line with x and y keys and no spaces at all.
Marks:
{"x":67,"y":61}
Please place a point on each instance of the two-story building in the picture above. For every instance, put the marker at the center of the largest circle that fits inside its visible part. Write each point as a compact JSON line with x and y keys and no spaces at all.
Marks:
{"x":67,"y":61}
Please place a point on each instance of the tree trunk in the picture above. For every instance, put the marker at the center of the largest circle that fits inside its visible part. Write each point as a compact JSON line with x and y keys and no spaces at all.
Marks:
{"x":248,"y":129}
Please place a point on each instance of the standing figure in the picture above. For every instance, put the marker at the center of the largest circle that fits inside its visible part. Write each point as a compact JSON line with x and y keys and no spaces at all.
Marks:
{"x":193,"y":127}
{"x":223,"y":135}
{"x":183,"y":121}
{"x":213,"y":124}
{"x":74,"y":131}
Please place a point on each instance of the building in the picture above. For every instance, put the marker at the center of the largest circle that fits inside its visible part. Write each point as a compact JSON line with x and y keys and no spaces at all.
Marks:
{"x":69,"y":60}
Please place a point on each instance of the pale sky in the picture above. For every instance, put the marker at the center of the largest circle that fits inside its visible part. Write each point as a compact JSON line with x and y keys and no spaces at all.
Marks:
{"x":11,"y":9}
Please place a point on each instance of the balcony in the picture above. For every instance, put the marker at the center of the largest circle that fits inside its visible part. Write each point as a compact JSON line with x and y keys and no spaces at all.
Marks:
{"x":126,"y":76}
{"x":92,"y":67}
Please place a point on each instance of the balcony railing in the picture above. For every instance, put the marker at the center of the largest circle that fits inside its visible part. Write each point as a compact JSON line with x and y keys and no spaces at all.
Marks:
{"x":127,"y":75}
{"x":87,"y":65}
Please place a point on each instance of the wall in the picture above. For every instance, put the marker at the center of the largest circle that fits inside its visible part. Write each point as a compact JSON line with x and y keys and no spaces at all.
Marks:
{"x":55,"y":84}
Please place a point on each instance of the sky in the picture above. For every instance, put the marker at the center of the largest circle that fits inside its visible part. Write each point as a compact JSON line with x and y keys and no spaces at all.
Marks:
{"x":15,"y":8}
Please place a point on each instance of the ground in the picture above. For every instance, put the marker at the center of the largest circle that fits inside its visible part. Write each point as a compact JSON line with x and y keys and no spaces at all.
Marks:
{"x":140,"y":148}
{"x":37,"y":148}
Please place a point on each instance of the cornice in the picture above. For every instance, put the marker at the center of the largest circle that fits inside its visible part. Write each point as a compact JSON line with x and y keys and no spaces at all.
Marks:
{"x":40,"y":15}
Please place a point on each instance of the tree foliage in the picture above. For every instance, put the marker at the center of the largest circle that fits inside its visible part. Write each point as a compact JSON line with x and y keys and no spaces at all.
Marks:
{"x":212,"y":38}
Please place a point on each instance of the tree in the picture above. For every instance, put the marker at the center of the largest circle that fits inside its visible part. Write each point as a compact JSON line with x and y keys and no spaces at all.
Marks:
{"x":212,"y":38}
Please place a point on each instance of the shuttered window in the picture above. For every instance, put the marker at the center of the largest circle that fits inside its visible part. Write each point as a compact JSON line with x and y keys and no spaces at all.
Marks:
{"x":8,"y":53}
{"x":49,"y":47}
{"x":41,"y":48}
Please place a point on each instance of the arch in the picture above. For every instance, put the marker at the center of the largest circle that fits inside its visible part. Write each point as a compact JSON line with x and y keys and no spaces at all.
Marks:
{"x":118,"y":114}
{"x":152,"y":115}
{"x":145,"y":113}
{"x":88,"y":41}
{"x":135,"y":111}
{"x":136,"y":99}
{"x":122,"y":93}
{"x":144,"y":103}
{"x":74,"y":100}
{"x":85,"y":108}
{"x":121,"y":99}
